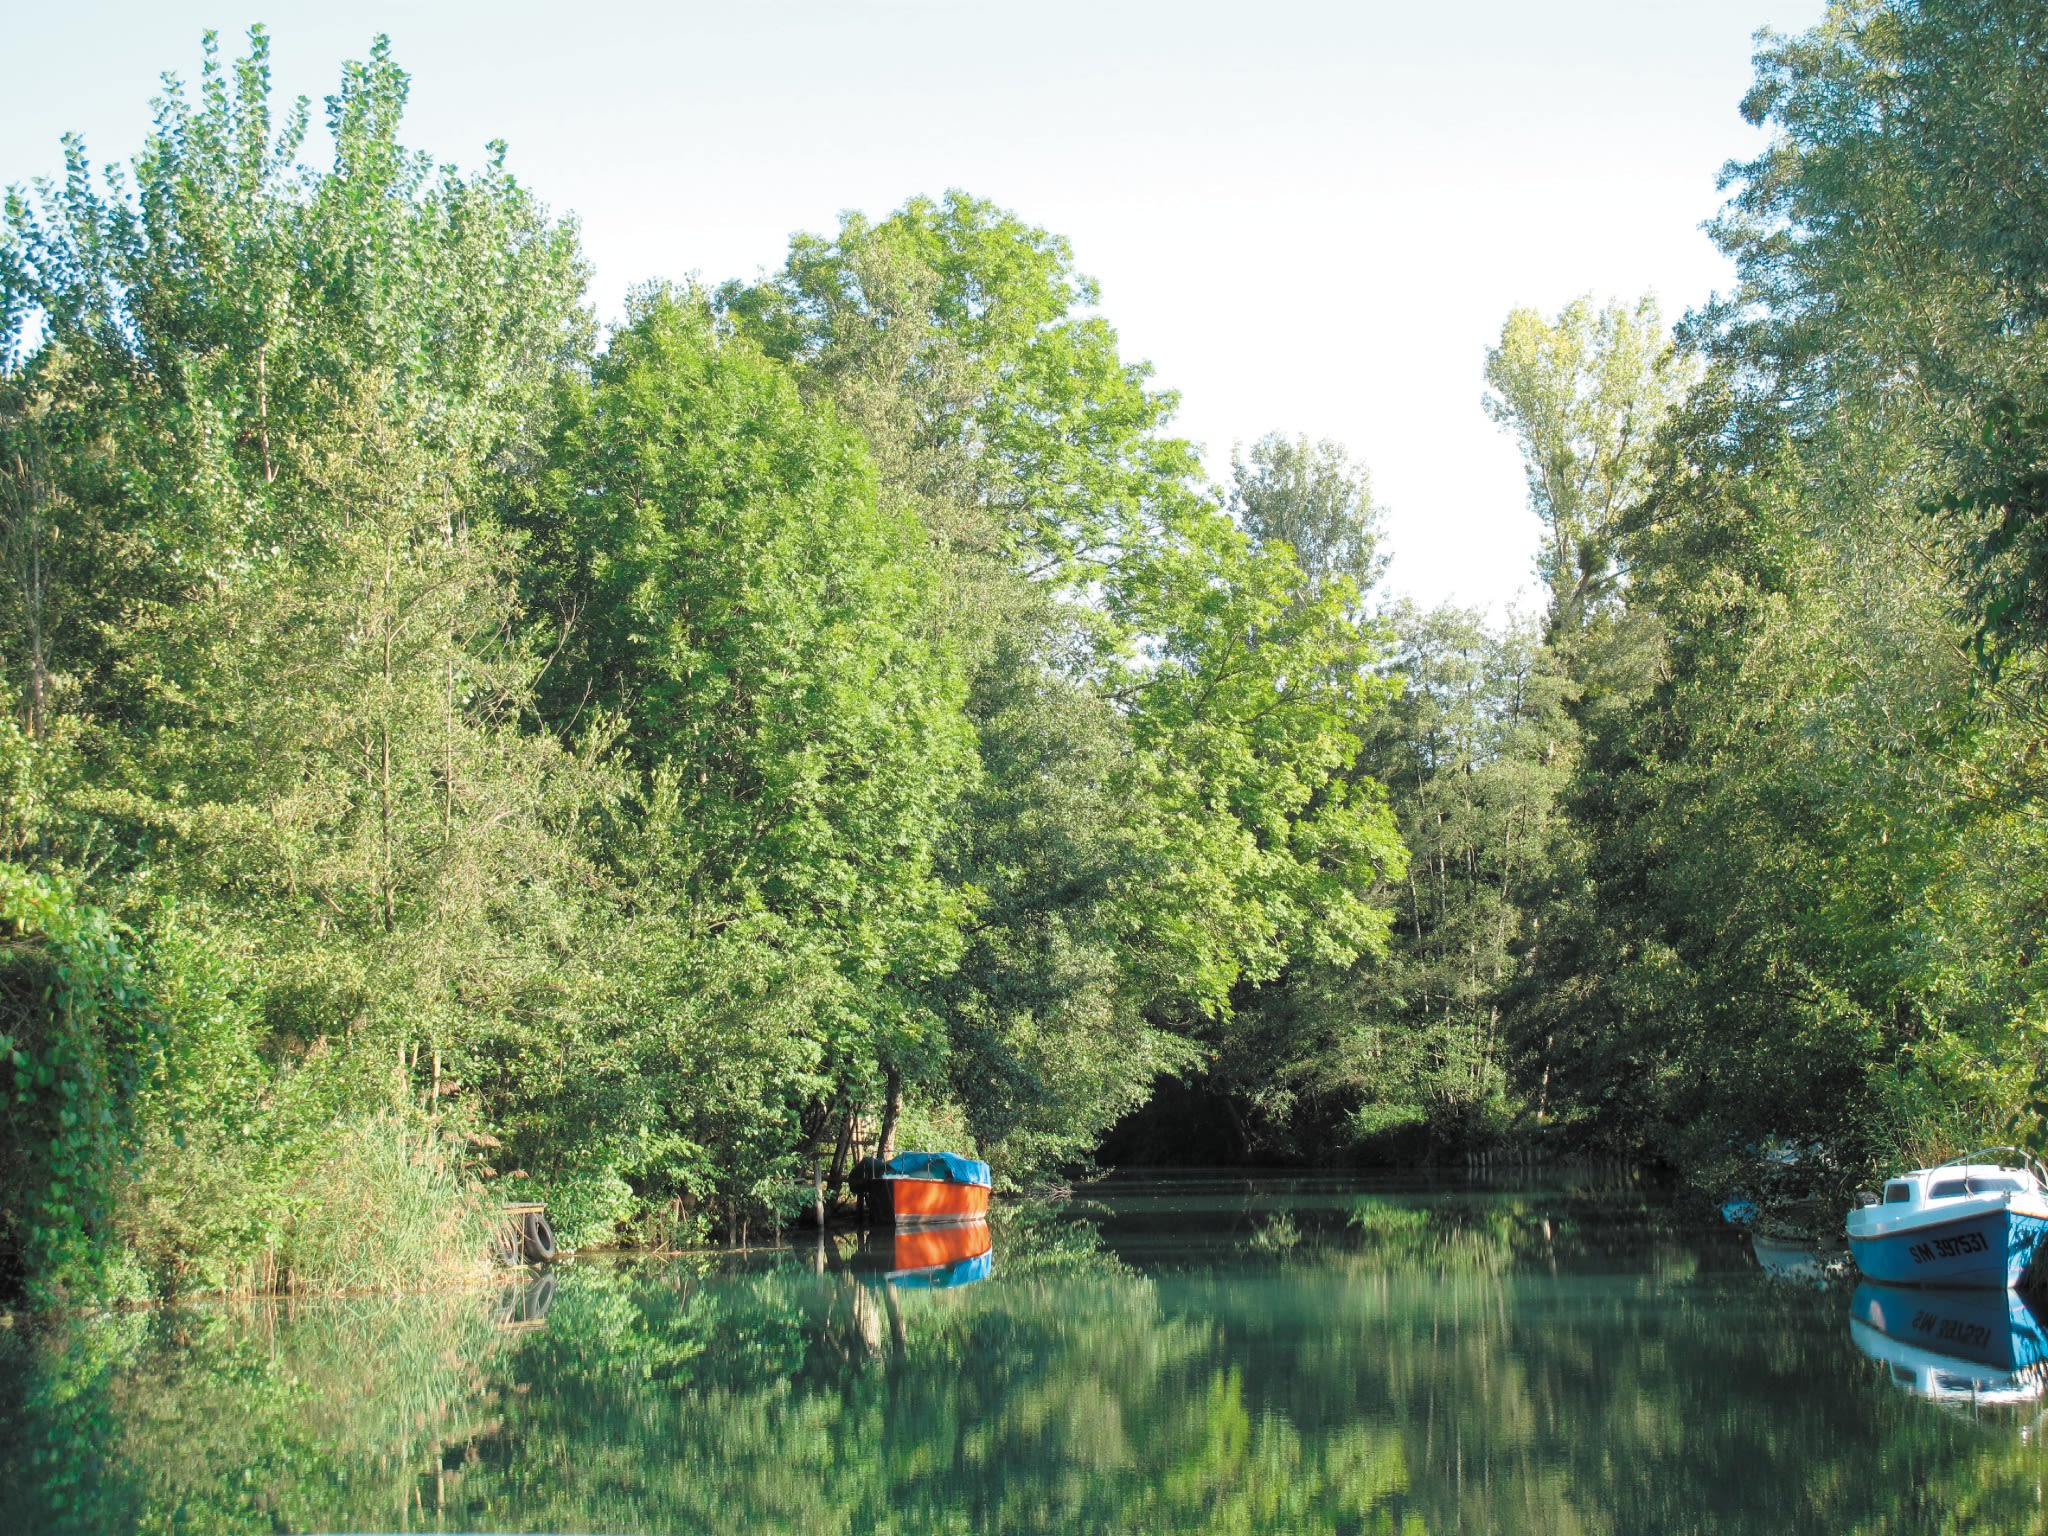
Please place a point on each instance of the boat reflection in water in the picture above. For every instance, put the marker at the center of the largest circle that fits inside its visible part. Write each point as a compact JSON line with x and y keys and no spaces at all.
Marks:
{"x":1799,"y":1260}
{"x":910,"y":1259}
{"x":929,"y":1258}
{"x":1976,"y":1348}
{"x":940,"y":1258}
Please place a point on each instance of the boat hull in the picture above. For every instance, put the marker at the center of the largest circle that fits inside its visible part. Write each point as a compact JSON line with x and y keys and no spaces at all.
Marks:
{"x":1985,"y":1250}
{"x":932,"y":1202}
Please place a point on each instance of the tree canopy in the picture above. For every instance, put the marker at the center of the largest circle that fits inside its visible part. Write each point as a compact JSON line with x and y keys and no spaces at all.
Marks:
{"x":456,"y":751}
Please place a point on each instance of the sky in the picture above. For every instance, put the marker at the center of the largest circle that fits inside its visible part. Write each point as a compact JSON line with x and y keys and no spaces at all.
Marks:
{"x":1309,"y":217}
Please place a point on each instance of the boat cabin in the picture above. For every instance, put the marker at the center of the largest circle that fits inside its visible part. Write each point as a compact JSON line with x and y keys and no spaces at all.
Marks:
{"x":1926,"y":1186}
{"x":1964,"y":1224}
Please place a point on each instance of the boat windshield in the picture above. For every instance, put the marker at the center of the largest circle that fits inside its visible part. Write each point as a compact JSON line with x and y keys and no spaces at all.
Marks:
{"x":1980,"y":1184}
{"x":1897,"y":1191}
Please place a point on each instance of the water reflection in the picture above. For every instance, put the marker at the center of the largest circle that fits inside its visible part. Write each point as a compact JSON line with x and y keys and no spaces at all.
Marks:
{"x":523,"y":1305}
{"x":1235,"y":1356}
{"x":932,"y":1258}
{"x":1800,"y":1261}
{"x":1982,"y":1348}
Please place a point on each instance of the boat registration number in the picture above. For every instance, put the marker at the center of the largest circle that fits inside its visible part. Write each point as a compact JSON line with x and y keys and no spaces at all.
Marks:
{"x":1949,"y":1247}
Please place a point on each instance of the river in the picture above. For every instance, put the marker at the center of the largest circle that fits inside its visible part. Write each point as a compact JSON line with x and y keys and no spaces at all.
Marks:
{"x":1216,"y":1354}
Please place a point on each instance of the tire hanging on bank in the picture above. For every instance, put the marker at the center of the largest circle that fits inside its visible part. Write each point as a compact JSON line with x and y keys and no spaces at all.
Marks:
{"x":537,"y":1238}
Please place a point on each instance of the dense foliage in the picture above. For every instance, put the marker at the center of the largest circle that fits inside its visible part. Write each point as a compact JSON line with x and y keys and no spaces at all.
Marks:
{"x":1734,"y":849}
{"x":1808,"y":813}
{"x":450,"y":745}
{"x":634,"y":774}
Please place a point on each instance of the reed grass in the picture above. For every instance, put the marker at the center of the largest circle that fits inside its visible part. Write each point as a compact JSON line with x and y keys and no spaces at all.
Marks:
{"x":388,"y":1209}
{"x":380,"y":1204}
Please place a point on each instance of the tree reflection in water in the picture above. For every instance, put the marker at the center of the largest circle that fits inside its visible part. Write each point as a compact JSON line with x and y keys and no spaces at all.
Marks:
{"x":1230,"y":1357}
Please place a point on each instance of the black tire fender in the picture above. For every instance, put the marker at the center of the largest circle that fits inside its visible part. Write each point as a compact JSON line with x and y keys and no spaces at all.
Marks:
{"x":537,"y":1238}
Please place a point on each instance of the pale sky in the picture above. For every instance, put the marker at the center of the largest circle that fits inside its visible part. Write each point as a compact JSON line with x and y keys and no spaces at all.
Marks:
{"x":1310,"y":217}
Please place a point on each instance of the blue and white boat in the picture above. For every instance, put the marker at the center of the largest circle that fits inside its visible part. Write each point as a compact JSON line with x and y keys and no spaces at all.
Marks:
{"x":1965,"y":1224}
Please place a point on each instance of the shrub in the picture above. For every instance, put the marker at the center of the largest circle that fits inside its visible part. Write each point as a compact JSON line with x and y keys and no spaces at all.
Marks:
{"x":77,"y":1035}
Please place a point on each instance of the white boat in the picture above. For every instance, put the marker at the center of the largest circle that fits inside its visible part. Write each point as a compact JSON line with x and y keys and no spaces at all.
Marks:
{"x":1969,"y":1224}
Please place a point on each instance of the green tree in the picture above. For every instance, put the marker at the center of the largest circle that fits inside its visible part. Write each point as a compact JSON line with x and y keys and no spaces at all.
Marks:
{"x":1313,"y":499}
{"x":1582,"y":396}
{"x":1795,"y":913}
{"x":1160,"y":814}
{"x":275,"y":678}
{"x":1246,"y":692}
{"x":756,"y":624}
{"x":78,"y":1036}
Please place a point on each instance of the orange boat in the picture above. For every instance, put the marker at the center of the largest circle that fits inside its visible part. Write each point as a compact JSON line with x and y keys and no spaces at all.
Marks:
{"x":923,"y":1189}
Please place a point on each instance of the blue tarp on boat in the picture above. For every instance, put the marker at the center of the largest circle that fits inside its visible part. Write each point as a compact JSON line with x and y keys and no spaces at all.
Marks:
{"x":948,"y":1166}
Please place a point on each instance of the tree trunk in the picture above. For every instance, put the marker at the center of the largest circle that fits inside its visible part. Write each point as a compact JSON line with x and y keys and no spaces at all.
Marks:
{"x":839,"y":1156}
{"x":1244,"y":1135}
{"x":389,"y":902}
{"x":27,"y":533}
{"x":892,"y":1106}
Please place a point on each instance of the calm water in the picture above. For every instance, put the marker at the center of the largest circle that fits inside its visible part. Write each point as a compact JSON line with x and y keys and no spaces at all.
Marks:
{"x":1193,"y":1355}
